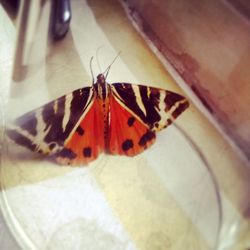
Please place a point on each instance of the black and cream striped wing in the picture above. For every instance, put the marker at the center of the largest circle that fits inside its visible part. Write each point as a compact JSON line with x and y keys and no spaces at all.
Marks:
{"x":46,"y":129}
{"x":157,"y":108}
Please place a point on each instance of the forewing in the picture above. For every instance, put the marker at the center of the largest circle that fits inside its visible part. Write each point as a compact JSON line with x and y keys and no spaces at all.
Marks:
{"x":46,"y":129}
{"x":157,"y":108}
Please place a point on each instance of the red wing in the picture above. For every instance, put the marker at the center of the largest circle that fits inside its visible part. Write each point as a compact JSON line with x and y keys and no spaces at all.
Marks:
{"x":87,"y":141}
{"x":128,"y":135}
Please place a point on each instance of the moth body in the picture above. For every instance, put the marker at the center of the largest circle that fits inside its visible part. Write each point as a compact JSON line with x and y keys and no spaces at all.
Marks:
{"x":102,"y":91}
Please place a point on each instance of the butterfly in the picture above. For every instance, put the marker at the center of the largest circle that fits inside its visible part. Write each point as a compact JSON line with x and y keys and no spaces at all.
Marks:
{"x":118,"y":118}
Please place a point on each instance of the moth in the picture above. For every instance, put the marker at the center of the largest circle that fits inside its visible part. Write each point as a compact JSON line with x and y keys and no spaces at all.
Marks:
{"x":118,"y":118}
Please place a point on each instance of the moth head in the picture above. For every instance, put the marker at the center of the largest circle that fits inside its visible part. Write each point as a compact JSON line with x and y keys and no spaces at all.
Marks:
{"x":101,"y":79}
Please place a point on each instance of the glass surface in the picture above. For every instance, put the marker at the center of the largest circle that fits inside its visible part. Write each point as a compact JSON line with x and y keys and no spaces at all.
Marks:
{"x":165,"y":197}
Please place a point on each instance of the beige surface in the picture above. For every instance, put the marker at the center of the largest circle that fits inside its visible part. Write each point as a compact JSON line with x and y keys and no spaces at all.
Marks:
{"x":133,"y":189}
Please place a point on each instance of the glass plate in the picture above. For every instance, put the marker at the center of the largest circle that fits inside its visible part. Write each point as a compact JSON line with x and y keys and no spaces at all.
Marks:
{"x":164,"y":198}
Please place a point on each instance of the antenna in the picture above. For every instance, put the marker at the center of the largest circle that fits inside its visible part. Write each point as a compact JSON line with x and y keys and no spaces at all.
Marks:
{"x":97,"y":58}
{"x":108,"y":68}
{"x":91,"y":69}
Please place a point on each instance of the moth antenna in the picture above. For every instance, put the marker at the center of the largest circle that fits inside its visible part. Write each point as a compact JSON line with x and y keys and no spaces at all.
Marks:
{"x":91,"y":69}
{"x":108,"y":68}
{"x":97,"y":58}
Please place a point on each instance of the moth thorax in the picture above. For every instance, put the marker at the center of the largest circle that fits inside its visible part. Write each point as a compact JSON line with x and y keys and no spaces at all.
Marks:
{"x":103,"y":91}
{"x":101,"y":87}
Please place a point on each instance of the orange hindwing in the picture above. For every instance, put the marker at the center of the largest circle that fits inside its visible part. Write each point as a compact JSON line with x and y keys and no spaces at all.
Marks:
{"x":87,"y":141}
{"x":128,"y":135}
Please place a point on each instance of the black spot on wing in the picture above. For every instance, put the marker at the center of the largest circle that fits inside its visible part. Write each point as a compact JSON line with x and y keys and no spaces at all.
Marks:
{"x":21,"y":139}
{"x":66,"y":153}
{"x":127,"y":144}
{"x":147,"y":137}
{"x":87,"y":152}
{"x":80,"y":130}
{"x":131,"y":121}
